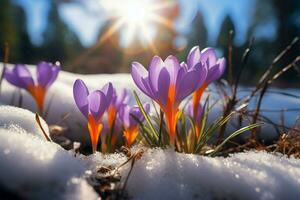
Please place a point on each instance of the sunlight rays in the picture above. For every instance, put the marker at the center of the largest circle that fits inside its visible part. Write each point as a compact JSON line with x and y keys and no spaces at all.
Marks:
{"x":136,"y":20}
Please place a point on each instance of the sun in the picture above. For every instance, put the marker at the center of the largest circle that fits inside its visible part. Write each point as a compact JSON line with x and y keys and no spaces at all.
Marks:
{"x":136,"y":20}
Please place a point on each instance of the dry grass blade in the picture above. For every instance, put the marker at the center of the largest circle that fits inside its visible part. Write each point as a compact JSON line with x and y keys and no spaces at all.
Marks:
{"x":286,"y":68}
{"x":233,"y":99}
{"x":289,"y":142}
{"x":38,"y":121}
{"x":264,"y":89}
{"x":6,"y":58}
{"x":278,"y":57}
{"x":266,"y":76}
{"x":230,"y":57}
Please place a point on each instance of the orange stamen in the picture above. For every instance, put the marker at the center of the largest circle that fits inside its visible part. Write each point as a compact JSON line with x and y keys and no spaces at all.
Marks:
{"x":38,"y":93}
{"x":95,"y":128}
{"x":197,"y":97}
{"x":113,"y":142}
{"x":198,"y":129}
{"x":172,"y":114}
{"x":130,"y":135}
{"x":111,"y":116}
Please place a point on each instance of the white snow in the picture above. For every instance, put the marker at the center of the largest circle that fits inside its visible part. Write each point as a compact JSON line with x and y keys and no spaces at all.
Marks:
{"x":164,"y":174}
{"x":13,"y":116}
{"x":32,"y":167}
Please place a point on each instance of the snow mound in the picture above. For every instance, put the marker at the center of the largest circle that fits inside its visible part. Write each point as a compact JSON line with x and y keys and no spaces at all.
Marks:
{"x":18,"y":117}
{"x":31,"y":168}
{"x":164,"y":174}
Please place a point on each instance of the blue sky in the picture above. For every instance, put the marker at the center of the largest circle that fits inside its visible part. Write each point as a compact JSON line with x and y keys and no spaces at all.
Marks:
{"x":86,"y":21}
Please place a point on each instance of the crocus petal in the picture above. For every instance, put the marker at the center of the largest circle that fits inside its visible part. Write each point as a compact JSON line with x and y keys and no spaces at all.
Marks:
{"x":44,"y":74}
{"x":155,"y":68}
{"x":163,"y":83}
{"x":202,"y":71}
{"x":123,"y":98}
{"x":124,"y":115}
{"x":134,"y":111}
{"x":108,"y":91}
{"x":222,"y":65}
{"x":55,"y":70}
{"x":194,"y":56}
{"x":190,"y":82}
{"x":140,"y":77}
{"x":208,"y":57}
{"x":199,"y":113}
{"x":184,"y":66}
{"x":173,"y":66}
{"x":23,"y":75}
{"x":12,"y":78}
{"x":80,"y":93}
{"x":215,"y":72}
{"x":47,"y":73}
{"x":97,"y":104}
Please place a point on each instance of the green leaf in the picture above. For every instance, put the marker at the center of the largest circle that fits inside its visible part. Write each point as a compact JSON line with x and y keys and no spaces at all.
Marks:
{"x":234,"y":134}
{"x":144,"y":130}
{"x":211,"y":130}
{"x":154,"y":133}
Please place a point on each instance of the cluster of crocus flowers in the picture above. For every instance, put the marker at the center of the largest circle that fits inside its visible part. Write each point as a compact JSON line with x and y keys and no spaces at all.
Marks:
{"x":168,"y":83}
{"x":92,"y":106}
{"x":131,"y":116}
{"x":214,"y":65}
{"x":46,"y":74}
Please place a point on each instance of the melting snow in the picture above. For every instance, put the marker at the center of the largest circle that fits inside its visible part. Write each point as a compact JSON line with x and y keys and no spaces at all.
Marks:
{"x":32,"y":167}
{"x":18,"y":117}
{"x":164,"y":174}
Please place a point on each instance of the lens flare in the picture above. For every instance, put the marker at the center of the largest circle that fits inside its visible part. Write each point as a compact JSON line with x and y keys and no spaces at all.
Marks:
{"x":136,"y":20}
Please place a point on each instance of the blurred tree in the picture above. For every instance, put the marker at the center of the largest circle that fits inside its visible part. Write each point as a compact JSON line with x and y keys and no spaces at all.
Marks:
{"x":103,"y":57}
{"x":26,"y":51}
{"x":7,"y":33}
{"x":223,"y":42}
{"x":13,"y":31}
{"x":60,"y":43}
{"x":198,"y":35}
{"x":226,"y":27}
{"x":287,"y":12}
{"x":283,"y":15}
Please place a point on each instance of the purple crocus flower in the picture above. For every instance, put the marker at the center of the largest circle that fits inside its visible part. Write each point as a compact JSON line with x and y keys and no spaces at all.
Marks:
{"x":92,"y":106}
{"x":197,"y":118}
{"x":215,"y":66}
{"x":116,"y":102}
{"x":21,"y":77}
{"x":130,"y":123}
{"x":168,"y":83}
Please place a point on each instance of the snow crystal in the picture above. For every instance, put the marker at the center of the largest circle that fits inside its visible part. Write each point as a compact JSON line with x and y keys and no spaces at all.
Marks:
{"x":18,"y":117}
{"x":164,"y":174}
{"x":32,"y":167}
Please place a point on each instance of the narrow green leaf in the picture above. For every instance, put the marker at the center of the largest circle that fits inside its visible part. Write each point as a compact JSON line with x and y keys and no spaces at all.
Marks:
{"x":145,"y":115}
{"x":234,"y":134}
